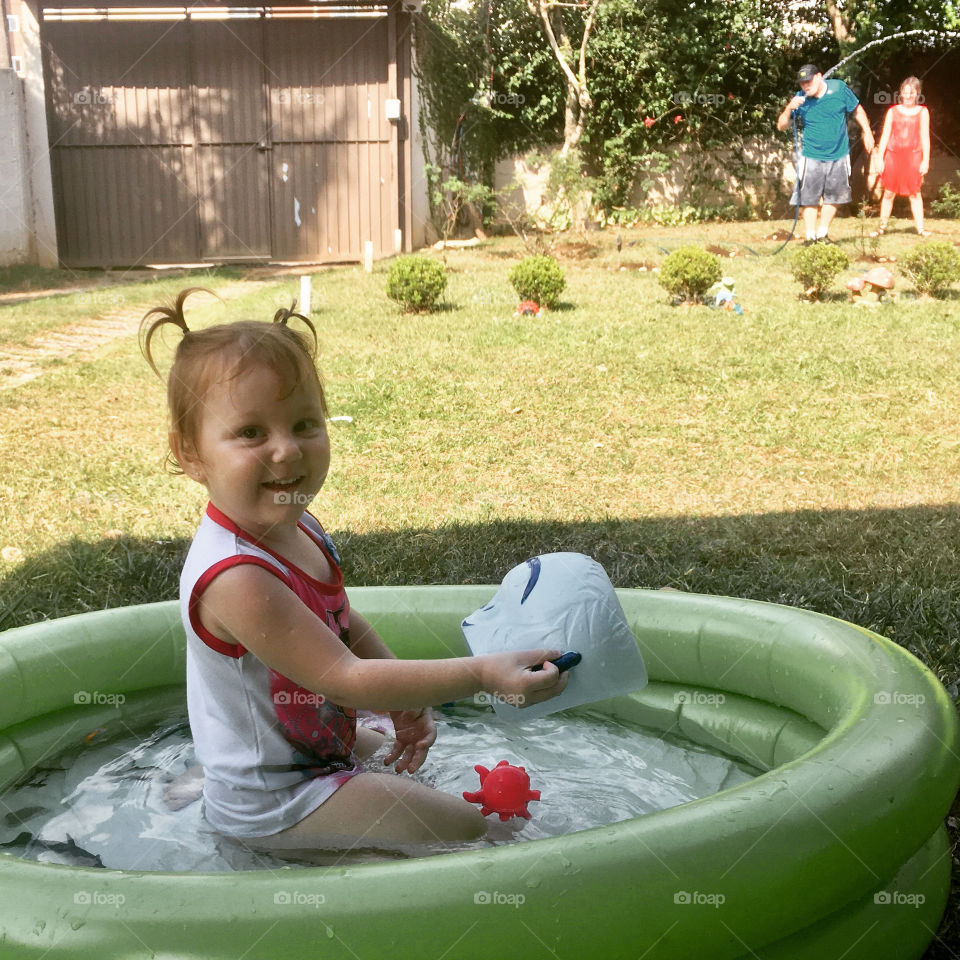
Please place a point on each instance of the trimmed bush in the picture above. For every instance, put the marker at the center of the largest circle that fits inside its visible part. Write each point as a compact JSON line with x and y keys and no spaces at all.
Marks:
{"x":539,"y":279}
{"x":688,"y":273}
{"x":932,"y":266}
{"x":416,"y":283}
{"x":816,"y":267}
{"x":947,"y":203}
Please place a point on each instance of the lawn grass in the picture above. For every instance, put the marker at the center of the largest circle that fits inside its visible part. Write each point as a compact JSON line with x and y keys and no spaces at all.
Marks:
{"x":803,"y":454}
{"x":79,"y":298}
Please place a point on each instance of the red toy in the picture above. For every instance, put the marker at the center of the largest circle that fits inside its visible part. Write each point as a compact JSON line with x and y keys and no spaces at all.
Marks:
{"x":504,"y":790}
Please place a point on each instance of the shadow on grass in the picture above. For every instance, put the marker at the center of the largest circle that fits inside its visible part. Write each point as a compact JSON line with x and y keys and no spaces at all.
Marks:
{"x":894,"y":571}
{"x":25,"y":278}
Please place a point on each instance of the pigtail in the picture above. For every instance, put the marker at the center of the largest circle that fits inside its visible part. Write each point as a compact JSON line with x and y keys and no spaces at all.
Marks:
{"x":166,"y":314}
{"x":289,"y":313}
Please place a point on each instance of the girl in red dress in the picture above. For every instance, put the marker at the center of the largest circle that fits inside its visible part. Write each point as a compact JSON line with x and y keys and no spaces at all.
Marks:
{"x":904,"y":154}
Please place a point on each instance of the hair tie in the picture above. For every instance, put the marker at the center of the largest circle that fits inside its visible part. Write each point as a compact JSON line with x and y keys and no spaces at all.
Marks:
{"x":285,"y":314}
{"x":156,"y":317}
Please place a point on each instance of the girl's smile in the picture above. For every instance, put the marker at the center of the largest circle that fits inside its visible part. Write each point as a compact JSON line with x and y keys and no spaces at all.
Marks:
{"x":262,"y":450}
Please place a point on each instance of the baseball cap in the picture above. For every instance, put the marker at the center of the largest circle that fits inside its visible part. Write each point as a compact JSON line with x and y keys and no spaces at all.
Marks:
{"x":807,"y":72}
{"x":561,"y":601}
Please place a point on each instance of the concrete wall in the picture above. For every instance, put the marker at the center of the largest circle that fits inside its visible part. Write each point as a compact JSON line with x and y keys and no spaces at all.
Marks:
{"x":764,"y":172}
{"x":27,"y":224}
{"x":421,"y":229}
{"x":14,"y":187}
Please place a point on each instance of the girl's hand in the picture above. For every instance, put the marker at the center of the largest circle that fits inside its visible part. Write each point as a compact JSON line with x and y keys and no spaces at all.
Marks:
{"x":924,"y":167}
{"x":415,"y":735}
{"x":510,"y":676}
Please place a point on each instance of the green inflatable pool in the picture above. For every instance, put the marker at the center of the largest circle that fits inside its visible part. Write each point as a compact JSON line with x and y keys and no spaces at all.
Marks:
{"x":838,"y":850}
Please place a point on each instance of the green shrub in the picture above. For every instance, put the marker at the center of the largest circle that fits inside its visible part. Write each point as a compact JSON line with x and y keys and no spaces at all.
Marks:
{"x":817,"y":266}
{"x":932,"y":266}
{"x":416,"y":283}
{"x":689,"y":272}
{"x":947,"y":203}
{"x":539,"y":279}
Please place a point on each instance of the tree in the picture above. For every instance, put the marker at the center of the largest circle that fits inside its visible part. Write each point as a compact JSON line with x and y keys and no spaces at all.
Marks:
{"x":578,"y":102}
{"x":856,"y":22}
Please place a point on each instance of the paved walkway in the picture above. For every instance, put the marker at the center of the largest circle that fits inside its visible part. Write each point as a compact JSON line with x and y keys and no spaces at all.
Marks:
{"x":22,"y":362}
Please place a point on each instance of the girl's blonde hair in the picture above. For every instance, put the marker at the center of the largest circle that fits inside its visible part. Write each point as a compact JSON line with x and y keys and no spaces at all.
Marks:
{"x":223,"y":352}
{"x":912,"y":82}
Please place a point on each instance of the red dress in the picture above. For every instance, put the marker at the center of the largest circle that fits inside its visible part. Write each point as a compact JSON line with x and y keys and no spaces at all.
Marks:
{"x":901,"y":162}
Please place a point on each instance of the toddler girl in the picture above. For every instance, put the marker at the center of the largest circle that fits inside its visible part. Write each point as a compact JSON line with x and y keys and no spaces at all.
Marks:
{"x":277,"y":662}
{"x":904,"y":154}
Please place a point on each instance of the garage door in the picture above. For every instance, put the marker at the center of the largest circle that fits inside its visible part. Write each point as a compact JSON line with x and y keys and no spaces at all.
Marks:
{"x":254,"y":133}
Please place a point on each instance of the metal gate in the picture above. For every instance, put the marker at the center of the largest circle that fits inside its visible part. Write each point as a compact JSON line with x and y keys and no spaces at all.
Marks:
{"x":207,"y":134}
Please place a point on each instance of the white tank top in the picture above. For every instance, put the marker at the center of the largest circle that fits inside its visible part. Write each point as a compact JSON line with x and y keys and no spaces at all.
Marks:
{"x":271,"y":751}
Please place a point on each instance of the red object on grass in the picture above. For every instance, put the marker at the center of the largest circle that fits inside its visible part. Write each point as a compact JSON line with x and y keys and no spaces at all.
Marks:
{"x":504,"y":790}
{"x":529,"y":307}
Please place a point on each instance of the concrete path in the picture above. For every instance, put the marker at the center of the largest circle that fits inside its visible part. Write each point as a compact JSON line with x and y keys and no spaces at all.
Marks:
{"x":22,"y":362}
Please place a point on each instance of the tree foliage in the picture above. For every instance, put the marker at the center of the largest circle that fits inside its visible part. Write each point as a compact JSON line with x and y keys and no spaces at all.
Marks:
{"x":658,"y":75}
{"x":488,"y":84}
{"x":672,"y":75}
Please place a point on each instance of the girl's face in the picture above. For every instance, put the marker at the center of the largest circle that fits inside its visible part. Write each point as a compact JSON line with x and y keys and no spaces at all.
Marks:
{"x":909,"y":95}
{"x":262,"y":451}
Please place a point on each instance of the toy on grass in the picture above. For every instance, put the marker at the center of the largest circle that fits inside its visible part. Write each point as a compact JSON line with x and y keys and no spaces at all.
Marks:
{"x":873,"y":287}
{"x":528,"y":308}
{"x":722,"y":295}
{"x":504,"y":790}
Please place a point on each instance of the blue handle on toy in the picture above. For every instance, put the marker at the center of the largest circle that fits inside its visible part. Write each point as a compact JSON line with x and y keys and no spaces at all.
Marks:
{"x":564,"y":661}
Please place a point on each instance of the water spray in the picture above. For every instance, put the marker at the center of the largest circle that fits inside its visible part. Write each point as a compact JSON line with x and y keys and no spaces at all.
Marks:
{"x":893,"y":36}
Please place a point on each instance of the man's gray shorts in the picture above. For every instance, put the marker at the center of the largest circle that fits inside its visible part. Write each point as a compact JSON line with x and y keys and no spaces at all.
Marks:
{"x":829,"y":179}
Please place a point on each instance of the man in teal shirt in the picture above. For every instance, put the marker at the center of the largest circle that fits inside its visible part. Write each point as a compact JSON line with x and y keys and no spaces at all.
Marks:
{"x":824,"y":172}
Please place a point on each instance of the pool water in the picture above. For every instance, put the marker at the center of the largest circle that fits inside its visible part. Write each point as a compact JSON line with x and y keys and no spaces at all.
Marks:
{"x":102,"y":805}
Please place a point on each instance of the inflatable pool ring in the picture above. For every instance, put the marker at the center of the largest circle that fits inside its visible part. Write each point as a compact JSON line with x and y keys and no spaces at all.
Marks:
{"x":838,"y":849}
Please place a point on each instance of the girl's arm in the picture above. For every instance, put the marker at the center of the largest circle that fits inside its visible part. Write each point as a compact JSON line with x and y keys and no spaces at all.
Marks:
{"x":924,"y":141}
{"x":248,"y":605}
{"x":885,"y":135}
{"x":365,"y":642}
{"x":863,"y":121}
{"x":414,"y":730}
{"x":884,"y":138}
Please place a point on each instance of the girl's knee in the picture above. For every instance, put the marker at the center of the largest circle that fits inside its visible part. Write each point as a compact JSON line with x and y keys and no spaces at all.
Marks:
{"x":451,"y":819}
{"x":448,"y":818}
{"x":468,"y":823}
